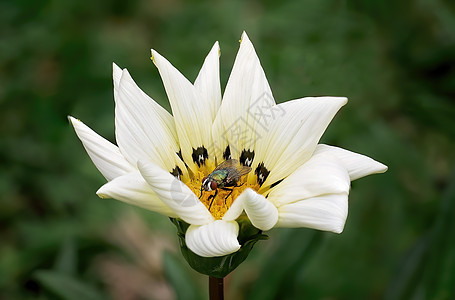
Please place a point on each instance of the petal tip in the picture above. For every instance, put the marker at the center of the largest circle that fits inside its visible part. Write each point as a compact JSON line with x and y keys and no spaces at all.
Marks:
{"x":338,"y":229}
{"x":74,"y":121}
{"x":102,"y":193}
{"x":382,"y":168}
{"x":244,"y":36}
{"x":153,"y":54}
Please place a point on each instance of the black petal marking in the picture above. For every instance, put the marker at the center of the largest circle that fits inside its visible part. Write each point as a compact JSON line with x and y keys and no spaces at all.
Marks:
{"x":200,"y":155}
{"x":276,"y":183}
{"x":246,"y":158}
{"x":227,"y":153}
{"x":177,"y":172}
{"x":179,"y":154}
{"x":261,"y":173}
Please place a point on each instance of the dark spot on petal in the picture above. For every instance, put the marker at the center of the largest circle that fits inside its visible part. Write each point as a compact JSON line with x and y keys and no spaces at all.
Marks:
{"x":179,"y":154}
{"x":177,"y":172}
{"x":227,"y":153}
{"x":276,"y":183}
{"x":200,"y":155}
{"x":246,"y":158}
{"x":262,"y":173}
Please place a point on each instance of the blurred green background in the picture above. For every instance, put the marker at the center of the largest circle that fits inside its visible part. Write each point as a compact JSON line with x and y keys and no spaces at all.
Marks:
{"x":395,"y":60}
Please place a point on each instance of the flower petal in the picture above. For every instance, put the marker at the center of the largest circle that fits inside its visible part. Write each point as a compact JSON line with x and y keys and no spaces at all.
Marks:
{"x":235,"y":210}
{"x":163,"y":114}
{"x":293,"y":135}
{"x":326,"y":212}
{"x":247,"y":93}
{"x":208,"y":81}
{"x":192,"y":117}
{"x":214,"y":239}
{"x":105,"y":155}
{"x":358,"y":165}
{"x":142,"y":129}
{"x":175,"y":194}
{"x":261,"y":212}
{"x":133,"y":189}
{"x":321,"y":175}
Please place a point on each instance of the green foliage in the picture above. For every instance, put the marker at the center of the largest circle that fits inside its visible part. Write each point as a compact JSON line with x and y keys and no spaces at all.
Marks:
{"x":67,"y":287}
{"x":180,"y":278}
{"x":394,"y":60}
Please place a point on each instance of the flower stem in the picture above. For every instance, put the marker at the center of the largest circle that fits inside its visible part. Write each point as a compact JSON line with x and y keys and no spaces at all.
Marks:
{"x":216,"y":288}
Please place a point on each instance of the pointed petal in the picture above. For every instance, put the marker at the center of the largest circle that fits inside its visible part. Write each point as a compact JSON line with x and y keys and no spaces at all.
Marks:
{"x":105,"y":155}
{"x":192,"y":118}
{"x":321,"y":175}
{"x":163,"y":114}
{"x":175,"y":194}
{"x":208,"y":81}
{"x":294,"y":135}
{"x":208,"y":85}
{"x":325,"y":212}
{"x":358,"y":165}
{"x":261,"y":212}
{"x":247,"y":94}
{"x":133,"y":189}
{"x":116,"y":75}
{"x":214,"y":239}
{"x":141,"y":131}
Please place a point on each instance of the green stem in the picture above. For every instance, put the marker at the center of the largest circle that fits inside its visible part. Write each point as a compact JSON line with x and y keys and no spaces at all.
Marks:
{"x":216,"y":288}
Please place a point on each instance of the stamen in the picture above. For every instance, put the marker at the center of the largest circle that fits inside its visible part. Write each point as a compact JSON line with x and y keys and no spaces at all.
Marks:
{"x":219,"y":205}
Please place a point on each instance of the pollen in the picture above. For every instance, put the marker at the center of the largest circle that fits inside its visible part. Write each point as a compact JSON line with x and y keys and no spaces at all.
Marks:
{"x":219,"y":205}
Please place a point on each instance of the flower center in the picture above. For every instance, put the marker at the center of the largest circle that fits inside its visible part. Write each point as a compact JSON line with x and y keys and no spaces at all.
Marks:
{"x":219,"y":200}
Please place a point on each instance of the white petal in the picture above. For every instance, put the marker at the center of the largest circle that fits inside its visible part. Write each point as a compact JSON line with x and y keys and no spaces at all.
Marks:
{"x":175,"y":194}
{"x":322,"y":174}
{"x":261,"y":212}
{"x":141,"y":131}
{"x":208,"y":81}
{"x":215,"y":239}
{"x":116,"y":75}
{"x":247,"y":94}
{"x":294,"y":135}
{"x":105,"y":155}
{"x":208,"y":85}
{"x":358,"y":165}
{"x":326,"y":212}
{"x":235,"y":210}
{"x":192,"y":117}
{"x":133,"y":189}
{"x":163,"y":114}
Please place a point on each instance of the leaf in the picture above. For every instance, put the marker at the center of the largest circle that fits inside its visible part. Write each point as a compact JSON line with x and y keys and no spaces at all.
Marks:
{"x":428,"y":270}
{"x":183,"y":284}
{"x":221,"y":266}
{"x":278,"y":275}
{"x":67,"y":287}
{"x":66,"y":260}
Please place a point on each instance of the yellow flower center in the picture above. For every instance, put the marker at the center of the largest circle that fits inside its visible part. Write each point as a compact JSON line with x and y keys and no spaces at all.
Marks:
{"x":219,"y":205}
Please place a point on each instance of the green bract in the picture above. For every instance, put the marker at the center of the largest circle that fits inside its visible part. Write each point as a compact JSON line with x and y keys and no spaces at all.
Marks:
{"x":222,"y":265}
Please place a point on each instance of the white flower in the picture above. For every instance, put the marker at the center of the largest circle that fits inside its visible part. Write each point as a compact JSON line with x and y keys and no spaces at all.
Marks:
{"x":160,"y":159}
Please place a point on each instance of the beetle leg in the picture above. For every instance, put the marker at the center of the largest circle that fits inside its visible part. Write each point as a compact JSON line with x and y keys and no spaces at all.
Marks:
{"x":226,"y":189}
{"x":212,"y":197}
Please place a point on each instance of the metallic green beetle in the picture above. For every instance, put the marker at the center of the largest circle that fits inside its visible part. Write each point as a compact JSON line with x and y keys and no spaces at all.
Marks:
{"x":225,"y":177}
